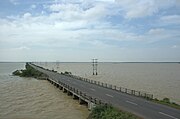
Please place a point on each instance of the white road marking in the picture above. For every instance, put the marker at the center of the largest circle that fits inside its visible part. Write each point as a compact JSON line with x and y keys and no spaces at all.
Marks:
{"x":109,"y":95}
{"x":131,"y":102}
{"x":167,"y":115}
{"x":92,"y":89}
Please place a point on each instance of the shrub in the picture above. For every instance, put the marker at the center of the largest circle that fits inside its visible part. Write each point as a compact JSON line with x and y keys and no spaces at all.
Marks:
{"x":17,"y":72}
{"x":167,"y":100}
{"x":109,"y":112}
{"x":28,"y":72}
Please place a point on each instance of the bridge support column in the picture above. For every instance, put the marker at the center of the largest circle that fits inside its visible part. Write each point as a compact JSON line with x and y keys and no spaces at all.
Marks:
{"x":60,"y":87}
{"x":57,"y":85}
{"x":81,"y":101}
{"x":75,"y":97}
{"x":64,"y":90}
{"x":91,"y":105}
{"x":69,"y":93}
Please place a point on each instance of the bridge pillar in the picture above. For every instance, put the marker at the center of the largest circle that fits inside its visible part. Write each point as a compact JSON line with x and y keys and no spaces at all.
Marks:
{"x":69,"y":93}
{"x":60,"y":87}
{"x":64,"y":90}
{"x":57,"y":85}
{"x":81,"y":101}
{"x":91,"y":105}
{"x":75,"y":97}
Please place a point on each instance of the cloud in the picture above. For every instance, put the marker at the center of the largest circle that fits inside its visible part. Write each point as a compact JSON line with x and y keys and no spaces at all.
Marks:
{"x":72,"y":12}
{"x":33,"y":6}
{"x":170,"y":19}
{"x":15,"y":2}
{"x":174,"y":46}
{"x":161,"y":35}
{"x":23,"y":48}
{"x":27,"y":15}
{"x":143,"y":8}
{"x":93,"y":28}
{"x":64,"y":7}
{"x":156,"y":31}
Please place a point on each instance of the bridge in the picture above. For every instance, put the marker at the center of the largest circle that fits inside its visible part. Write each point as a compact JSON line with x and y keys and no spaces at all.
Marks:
{"x":94,"y":93}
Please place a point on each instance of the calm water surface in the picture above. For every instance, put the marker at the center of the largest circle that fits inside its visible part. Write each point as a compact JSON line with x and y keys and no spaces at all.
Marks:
{"x":28,"y":98}
{"x":160,"y":79}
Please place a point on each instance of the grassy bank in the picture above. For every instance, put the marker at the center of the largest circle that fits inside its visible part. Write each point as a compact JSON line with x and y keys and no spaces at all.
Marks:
{"x":109,"y":112}
{"x":166,"y":101}
{"x":28,"y":72}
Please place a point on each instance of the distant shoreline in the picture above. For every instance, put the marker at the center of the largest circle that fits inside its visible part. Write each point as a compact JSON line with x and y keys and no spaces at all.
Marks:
{"x":89,"y":62}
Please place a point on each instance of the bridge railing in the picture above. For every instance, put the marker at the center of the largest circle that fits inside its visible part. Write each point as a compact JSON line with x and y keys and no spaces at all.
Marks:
{"x":74,"y":90}
{"x":110,"y":86}
{"x":81,"y":94}
{"x":114,"y":87}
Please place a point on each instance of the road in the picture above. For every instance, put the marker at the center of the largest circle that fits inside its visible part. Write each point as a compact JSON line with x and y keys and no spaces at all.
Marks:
{"x":136,"y":105}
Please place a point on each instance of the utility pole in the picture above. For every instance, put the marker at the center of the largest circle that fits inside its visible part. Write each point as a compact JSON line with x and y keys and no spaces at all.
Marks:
{"x":57,"y":64}
{"x":94,"y":63}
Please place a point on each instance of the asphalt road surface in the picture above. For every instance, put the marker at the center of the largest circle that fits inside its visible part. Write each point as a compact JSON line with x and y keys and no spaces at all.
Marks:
{"x":136,"y":105}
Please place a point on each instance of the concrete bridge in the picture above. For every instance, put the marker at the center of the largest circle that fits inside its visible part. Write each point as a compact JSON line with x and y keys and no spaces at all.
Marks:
{"x":93,"y":93}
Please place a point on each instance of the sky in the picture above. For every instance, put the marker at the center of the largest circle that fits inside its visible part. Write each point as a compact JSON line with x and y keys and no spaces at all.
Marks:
{"x":80,"y":30}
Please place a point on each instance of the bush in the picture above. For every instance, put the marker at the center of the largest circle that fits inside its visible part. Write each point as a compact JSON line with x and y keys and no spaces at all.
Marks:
{"x":17,"y":73}
{"x":28,"y":72}
{"x":156,"y":99}
{"x":167,"y":100}
{"x":109,"y":112}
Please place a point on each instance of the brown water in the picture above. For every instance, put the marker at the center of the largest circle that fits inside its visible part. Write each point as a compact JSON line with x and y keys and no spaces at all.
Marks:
{"x":28,"y":98}
{"x":160,"y":79}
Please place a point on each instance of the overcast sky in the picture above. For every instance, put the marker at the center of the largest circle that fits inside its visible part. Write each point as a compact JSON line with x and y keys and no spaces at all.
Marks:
{"x":79,"y":30}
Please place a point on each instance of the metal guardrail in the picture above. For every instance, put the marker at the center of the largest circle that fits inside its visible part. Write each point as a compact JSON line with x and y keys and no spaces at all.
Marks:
{"x":79,"y":93}
{"x":110,"y":86}
{"x":75,"y":91}
{"x":114,"y":87}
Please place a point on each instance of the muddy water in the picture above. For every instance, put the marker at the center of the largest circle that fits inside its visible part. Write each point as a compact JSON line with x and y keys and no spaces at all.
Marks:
{"x":28,"y":98}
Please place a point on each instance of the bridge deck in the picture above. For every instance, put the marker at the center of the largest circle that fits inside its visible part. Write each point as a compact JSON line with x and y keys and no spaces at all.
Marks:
{"x":133,"y":104}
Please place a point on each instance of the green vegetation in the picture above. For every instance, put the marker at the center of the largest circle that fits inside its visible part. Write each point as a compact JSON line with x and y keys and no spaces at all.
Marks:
{"x":166,"y":101}
{"x":109,"y":112}
{"x":28,"y":72}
